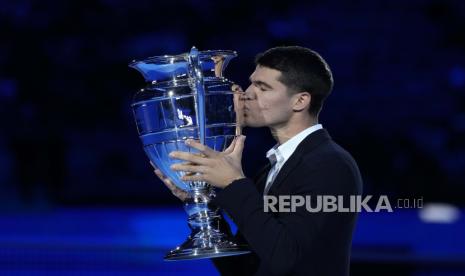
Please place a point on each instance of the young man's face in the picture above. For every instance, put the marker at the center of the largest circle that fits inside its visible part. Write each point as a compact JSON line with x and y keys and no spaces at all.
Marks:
{"x":267,"y":101}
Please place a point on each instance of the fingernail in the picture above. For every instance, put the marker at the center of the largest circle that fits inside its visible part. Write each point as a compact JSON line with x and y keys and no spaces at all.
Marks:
{"x":171,"y":154}
{"x":188,"y":141}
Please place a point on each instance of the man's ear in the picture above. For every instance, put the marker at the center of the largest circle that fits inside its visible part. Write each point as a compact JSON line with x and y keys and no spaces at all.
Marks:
{"x":302,"y":101}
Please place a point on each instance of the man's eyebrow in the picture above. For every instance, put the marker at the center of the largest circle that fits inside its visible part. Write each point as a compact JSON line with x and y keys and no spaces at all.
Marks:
{"x":260,"y":83}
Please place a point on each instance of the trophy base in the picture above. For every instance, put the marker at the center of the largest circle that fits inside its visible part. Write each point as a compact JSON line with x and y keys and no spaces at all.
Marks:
{"x":205,"y":245}
{"x":179,"y":254}
{"x":207,"y":239}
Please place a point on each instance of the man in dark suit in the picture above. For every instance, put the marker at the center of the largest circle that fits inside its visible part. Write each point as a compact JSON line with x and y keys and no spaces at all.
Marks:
{"x":287,"y":91}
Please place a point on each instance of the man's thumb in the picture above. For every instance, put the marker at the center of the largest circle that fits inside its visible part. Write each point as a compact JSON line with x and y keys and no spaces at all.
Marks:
{"x":239,"y":147}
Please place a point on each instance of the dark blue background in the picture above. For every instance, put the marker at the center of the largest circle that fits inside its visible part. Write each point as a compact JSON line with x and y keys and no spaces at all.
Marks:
{"x":67,"y":136}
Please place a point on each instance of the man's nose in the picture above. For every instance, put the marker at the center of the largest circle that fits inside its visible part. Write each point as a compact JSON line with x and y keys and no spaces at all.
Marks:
{"x":249,"y":94}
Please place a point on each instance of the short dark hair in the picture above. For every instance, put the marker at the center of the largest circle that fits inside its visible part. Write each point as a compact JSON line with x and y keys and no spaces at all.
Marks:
{"x":301,"y":70}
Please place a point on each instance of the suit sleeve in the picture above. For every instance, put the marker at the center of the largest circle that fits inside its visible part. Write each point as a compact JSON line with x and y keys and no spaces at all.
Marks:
{"x":279,"y":241}
{"x":245,"y":264}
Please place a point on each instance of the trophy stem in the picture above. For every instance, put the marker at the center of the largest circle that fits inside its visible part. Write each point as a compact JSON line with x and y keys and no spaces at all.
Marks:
{"x":206,"y":240}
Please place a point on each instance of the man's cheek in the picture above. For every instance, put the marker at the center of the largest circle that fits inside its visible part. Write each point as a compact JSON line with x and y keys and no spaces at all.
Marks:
{"x":262,"y":105}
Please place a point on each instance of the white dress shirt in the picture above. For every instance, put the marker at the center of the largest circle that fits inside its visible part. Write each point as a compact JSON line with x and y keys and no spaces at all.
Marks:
{"x":279,"y":154}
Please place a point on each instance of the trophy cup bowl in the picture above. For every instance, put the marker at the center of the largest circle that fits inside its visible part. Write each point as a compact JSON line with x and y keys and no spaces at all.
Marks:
{"x":187,"y":97}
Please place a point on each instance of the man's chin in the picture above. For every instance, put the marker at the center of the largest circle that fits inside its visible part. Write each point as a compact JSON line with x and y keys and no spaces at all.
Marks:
{"x":253,"y":124}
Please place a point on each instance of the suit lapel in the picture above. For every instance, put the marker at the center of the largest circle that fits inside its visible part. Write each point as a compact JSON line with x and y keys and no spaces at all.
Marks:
{"x":288,"y":167}
{"x":260,"y":178}
{"x":308,"y":144}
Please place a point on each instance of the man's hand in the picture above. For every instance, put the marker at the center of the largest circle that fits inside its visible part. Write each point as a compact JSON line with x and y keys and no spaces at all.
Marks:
{"x":177,"y":192}
{"x":218,"y":169}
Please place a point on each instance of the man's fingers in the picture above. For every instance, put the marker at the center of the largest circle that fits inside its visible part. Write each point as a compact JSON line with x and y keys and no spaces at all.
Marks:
{"x":159,"y":174}
{"x":238,"y":107}
{"x":193,"y":177}
{"x":188,"y":168}
{"x":239,"y":146}
{"x":236,"y":88}
{"x":190,"y":157}
{"x":182,"y":195}
{"x":201,"y":147}
{"x":175,"y":190}
{"x":231,"y":146}
{"x":163,"y":178}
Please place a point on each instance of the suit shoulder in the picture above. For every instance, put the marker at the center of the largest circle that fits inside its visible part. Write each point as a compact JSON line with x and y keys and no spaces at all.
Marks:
{"x":330,"y":163}
{"x":330,"y":152}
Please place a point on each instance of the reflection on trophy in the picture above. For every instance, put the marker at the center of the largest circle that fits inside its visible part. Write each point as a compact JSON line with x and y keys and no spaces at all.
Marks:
{"x":187,"y":97}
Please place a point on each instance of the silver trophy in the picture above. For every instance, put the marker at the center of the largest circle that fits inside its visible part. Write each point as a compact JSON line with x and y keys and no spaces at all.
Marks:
{"x":186,"y":96}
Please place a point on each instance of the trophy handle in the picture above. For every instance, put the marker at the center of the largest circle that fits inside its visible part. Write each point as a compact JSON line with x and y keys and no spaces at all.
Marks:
{"x":197,"y":82}
{"x":219,"y":61}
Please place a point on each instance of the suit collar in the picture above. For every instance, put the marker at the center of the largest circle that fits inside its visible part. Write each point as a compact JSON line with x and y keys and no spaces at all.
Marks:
{"x":307,"y":145}
{"x":285,"y":150}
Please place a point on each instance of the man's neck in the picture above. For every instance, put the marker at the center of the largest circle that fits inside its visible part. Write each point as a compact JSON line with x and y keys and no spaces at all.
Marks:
{"x":286,"y":131}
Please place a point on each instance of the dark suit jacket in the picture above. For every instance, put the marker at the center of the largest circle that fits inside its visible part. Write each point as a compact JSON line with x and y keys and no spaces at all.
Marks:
{"x":301,"y":242}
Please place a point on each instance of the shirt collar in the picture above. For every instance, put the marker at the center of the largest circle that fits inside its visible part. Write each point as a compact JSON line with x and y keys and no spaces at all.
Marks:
{"x":284,"y":151}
